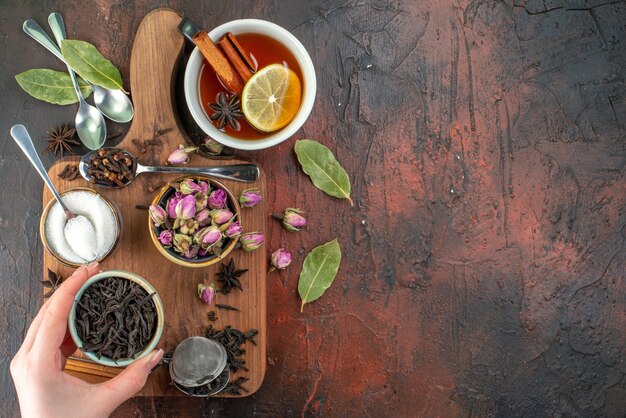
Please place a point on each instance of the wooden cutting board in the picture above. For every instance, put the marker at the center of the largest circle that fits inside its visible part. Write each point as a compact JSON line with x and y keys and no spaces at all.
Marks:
{"x":155,"y":54}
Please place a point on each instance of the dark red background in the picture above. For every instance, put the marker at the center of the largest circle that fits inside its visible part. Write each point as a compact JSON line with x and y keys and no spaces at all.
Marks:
{"x":483,"y":269}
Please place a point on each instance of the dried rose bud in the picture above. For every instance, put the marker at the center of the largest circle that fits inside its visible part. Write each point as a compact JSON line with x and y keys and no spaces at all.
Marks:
{"x":182,"y":243}
{"x":204,"y":186}
{"x":158,"y":215}
{"x":203,"y":217}
{"x":181,"y":155}
{"x":171,"y":204}
{"x":192,"y":251}
{"x":211,"y":236}
{"x":213,"y":147}
{"x":189,"y":186}
{"x":221,"y":216}
{"x":189,"y":226}
{"x":206,"y":293}
{"x":251,"y":241}
{"x":250,"y":197}
{"x":201,"y":200}
{"x":217,"y":199}
{"x":281,"y":258}
{"x":233,"y":230}
{"x":292,"y":220}
{"x":166,"y":237}
{"x":186,"y":207}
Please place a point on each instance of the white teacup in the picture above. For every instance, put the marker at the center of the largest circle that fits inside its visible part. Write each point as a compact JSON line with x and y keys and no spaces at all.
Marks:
{"x":192,"y":84}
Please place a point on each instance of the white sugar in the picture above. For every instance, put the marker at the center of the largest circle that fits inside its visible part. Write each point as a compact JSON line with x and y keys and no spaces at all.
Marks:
{"x":80,"y":235}
{"x":85,"y":241}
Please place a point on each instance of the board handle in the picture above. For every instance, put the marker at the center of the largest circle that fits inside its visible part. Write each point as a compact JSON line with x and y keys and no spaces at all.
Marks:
{"x":153,"y":61}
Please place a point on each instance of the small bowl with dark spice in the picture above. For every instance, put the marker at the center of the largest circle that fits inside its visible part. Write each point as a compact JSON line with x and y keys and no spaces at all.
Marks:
{"x":194,"y":221}
{"x":117,"y":318}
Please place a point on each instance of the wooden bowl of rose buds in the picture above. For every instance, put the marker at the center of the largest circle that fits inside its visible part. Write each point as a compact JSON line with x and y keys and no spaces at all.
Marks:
{"x":194,"y":221}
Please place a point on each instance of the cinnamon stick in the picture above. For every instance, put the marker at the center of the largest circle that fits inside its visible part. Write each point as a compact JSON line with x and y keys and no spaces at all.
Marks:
{"x":218,"y":62}
{"x":238,"y":56}
{"x":235,"y":59}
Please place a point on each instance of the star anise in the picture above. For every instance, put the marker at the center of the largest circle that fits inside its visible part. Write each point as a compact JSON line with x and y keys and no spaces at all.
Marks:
{"x":227,"y":111}
{"x":230,"y":277}
{"x":52,"y":282}
{"x":61,"y":140}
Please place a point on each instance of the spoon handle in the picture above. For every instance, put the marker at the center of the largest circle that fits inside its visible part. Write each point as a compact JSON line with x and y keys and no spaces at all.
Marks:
{"x":35,"y":31}
{"x":55,"y":20}
{"x":21,"y":137}
{"x":246,"y":173}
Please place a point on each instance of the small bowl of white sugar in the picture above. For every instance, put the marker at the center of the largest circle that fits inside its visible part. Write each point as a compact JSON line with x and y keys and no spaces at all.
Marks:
{"x":84,"y":239}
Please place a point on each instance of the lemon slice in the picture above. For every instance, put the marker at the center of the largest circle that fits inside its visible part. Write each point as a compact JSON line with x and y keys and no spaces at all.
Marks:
{"x":271,"y":98}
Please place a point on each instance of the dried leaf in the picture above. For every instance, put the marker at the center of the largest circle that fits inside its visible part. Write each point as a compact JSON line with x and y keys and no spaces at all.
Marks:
{"x":90,"y":64}
{"x":325,"y":171}
{"x":318,"y":271}
{"x":51,"y":86}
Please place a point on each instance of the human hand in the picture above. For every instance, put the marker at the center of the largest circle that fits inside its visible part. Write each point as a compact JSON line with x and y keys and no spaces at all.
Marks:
{"x":43,"y":389}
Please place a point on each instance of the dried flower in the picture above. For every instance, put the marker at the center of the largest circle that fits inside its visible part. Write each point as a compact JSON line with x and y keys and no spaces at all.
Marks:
{"x":221,"y":216}
{"x":281,"y":258}
{"x":158,"y":215}
{"x":181,"y":155}
{"x":251,"y":241}
{"x":292,"y":219}
{"x":189,"y":226}
{"x":186,"y":207}
{"x":201,"y":200}
{"x":166,"y":237}
{"x":204,"y":186}
{"x":192,"y":252}
{"x":208,"y":236}
{"x":212,"y":146}
{"x":250,"y":197}
{"x":203,"y":217}
{"x":171,"y":204}
{"x":234,"y":230}
{"x":217,"y":199}
{"x":189,"y":186}
{"x":182,"y":243}
{"x":206,"y":293}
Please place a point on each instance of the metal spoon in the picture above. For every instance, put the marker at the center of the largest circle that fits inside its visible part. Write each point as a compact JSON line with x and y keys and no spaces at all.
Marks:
{"x":21,"y":137}
{"x":246,"y":173}
{"x":89,"y":122}
{"x":114,"y":104}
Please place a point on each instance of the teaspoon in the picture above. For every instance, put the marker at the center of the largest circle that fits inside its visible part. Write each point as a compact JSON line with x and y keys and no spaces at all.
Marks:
{"x":114,"y":104}
{"x":89,"y":122}
{"x":22,"y":138}
{"x":246,"y":173}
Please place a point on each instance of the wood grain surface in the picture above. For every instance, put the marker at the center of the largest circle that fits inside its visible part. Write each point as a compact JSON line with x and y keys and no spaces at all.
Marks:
{"x":155,"y":55}
{"x":483,"y":269}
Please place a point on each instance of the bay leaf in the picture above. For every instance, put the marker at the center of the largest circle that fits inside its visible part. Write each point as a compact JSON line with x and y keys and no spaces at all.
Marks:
{"x":90,"y":64}
{"x":51,"y":86}
{"x":318,"y":271}
{"x":325,"y":171}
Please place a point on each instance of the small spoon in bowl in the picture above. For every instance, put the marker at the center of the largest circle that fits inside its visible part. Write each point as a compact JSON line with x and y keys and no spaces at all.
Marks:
{"x":246,"y":173}
{"x":73,"y":222}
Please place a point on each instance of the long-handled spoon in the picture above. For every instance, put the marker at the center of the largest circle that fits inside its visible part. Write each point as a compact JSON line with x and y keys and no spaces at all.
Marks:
{"x":114,"y":104}
{"x":75,"y":225}
{"x":89,"y":122}
{"x":246,"y":173}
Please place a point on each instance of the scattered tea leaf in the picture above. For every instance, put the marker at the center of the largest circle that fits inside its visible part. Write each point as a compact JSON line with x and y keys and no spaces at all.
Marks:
{"x":51,"y":86}
{"x":325,"y":171}
{"x":318,"y":271}
{"x":90,"y":64}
